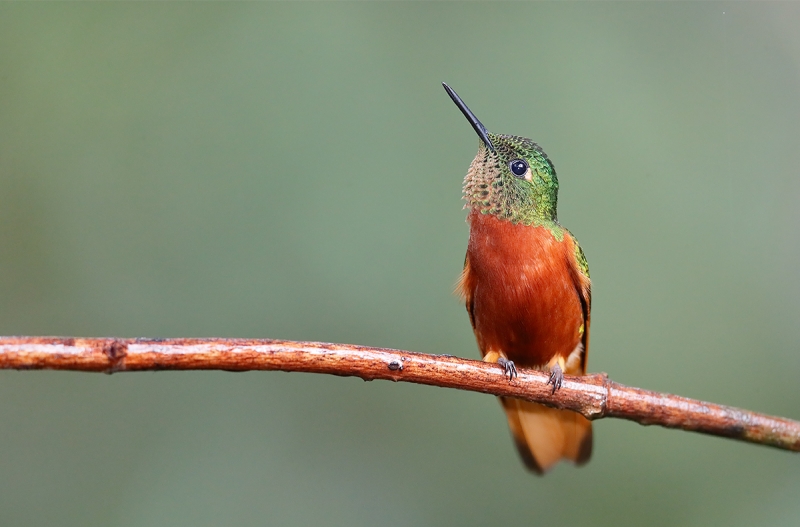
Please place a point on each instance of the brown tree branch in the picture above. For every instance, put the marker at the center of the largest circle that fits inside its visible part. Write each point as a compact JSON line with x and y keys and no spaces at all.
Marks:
{"x":594,"y":396}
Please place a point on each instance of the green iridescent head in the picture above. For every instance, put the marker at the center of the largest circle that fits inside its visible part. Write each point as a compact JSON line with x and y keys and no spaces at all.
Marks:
{"x":510,"y":177}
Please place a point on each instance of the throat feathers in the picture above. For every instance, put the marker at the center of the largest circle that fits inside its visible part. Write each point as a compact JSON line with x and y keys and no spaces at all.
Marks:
{"x":526,"y":287}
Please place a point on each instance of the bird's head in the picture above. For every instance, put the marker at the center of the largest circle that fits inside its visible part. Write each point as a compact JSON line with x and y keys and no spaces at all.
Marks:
{"x":510,"y":177}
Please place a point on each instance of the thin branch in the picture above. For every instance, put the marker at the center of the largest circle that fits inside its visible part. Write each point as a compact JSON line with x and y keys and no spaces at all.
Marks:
{"x":594,"y":396}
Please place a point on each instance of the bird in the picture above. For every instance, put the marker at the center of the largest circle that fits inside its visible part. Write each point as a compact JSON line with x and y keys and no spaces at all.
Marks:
{"x":526,"y":287}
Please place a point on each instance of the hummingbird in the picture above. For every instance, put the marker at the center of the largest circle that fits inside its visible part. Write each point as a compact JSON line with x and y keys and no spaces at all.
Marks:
{"x":526,"y":287}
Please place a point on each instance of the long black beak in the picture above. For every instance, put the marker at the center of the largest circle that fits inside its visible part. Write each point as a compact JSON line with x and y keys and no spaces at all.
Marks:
{"x":476,"y":124}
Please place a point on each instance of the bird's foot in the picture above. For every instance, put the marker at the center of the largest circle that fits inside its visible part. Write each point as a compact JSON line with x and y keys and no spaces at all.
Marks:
{"x":508,"y":367}
{"x":556,"y":377}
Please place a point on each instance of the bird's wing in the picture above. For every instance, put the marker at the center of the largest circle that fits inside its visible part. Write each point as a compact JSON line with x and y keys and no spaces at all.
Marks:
{"x":464,"y":289}
{"x":579,"y":270}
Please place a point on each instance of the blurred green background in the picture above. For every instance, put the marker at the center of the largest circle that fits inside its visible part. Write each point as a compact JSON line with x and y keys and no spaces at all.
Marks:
{"x":293,"y":171}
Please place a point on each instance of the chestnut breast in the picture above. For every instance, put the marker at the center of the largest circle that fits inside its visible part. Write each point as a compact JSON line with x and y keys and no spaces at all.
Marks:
{"x":520,"y":292}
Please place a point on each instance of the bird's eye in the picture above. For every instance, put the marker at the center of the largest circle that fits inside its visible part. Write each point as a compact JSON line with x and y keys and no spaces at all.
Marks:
{"x":518,"y":167}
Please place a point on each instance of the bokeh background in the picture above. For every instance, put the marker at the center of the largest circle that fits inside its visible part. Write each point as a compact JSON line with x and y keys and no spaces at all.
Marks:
{"x":293,"y":171}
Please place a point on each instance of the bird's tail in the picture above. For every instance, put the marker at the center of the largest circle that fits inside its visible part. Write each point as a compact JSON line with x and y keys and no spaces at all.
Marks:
{"x":545,"y":435}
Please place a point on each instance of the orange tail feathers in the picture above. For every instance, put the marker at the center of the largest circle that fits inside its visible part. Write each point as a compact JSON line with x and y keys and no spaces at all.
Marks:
{"x":546,"y":435}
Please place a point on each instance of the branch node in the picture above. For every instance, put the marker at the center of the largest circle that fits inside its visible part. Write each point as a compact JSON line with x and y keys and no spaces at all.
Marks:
{"x":396,"y":365}
{"x":606,"y":395}
{"x":116,"y":351}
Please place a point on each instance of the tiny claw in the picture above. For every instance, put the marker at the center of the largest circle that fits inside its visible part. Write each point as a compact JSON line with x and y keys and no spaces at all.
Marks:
{"x":508,"y":367}
{"x":556,"y":378}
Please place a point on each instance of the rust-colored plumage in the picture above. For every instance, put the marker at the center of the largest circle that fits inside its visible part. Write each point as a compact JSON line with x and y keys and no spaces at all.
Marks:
{"x":528,"y":302}
{"x":523,"y":293}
